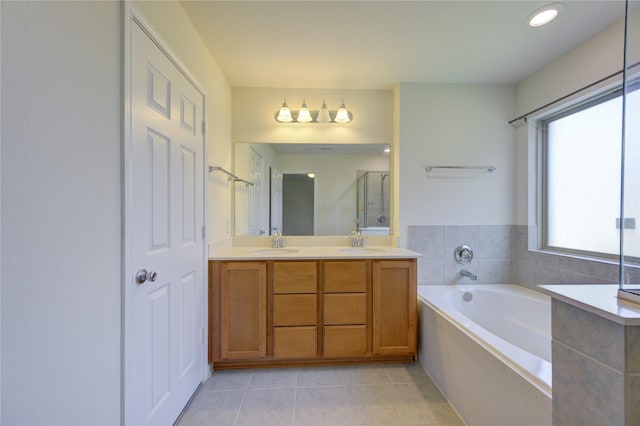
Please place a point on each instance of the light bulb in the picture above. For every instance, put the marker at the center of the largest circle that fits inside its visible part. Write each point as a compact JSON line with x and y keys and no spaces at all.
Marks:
{"x":323,"y":114}
{"x":342,"y":115}
{"x":284,"y":116}
{"x":544,"y":15}
{"x":543,"y":18}
{"x":304,"y":116}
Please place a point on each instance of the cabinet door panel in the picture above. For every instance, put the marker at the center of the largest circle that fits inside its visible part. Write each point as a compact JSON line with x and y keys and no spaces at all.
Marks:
{"x":345,"y":308}
{"x":243,"y":310}
{"x":295,"y":342}
{"x":345,"y":341}
{"x":345,"y":276}
{"x":295,"y":309}
{"x":394,"y":307}
{"x":295,"y":277}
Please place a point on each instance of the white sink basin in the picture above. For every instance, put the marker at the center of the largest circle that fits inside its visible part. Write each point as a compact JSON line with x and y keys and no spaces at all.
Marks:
{"x":362,"y":250}
{"x":274,"y":251}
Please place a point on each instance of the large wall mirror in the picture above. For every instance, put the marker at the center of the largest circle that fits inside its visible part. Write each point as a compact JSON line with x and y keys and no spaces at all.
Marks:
{"x":312,"y":189}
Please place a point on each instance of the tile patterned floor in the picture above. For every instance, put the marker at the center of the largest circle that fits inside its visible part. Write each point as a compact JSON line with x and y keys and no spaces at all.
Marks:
{"x":389,"y":394}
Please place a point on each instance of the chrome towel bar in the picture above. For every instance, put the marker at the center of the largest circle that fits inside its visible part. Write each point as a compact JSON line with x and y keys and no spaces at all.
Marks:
{"x":231,"y":175}
{"x":490,"y":169}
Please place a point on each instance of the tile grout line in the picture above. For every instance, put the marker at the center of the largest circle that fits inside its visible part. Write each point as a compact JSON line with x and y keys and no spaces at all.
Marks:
{"x":244,"y":397}
{"x":295,"y":398}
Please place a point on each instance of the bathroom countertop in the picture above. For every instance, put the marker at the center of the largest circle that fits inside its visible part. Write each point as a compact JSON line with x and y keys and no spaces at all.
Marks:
{"x":599,"y":299}
{"x":316,"y":252}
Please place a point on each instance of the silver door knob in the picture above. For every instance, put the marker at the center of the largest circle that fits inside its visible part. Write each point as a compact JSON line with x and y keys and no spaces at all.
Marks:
{"x":143,"y":275}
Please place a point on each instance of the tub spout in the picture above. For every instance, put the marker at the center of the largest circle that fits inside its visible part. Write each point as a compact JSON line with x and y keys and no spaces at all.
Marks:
{"x":469,"y":275}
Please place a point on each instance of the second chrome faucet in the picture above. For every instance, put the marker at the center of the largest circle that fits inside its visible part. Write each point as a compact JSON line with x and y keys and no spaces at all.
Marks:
{"x":357,"y":240}
{"x":277,"y":241}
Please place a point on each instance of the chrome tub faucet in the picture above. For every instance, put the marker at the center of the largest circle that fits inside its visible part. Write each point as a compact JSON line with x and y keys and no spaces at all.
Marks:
{"x":469,"y":275}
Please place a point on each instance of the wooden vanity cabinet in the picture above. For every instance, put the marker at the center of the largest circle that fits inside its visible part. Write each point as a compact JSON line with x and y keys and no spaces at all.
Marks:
{"x":292,"y":312}
{"x":394,"y":307}
{"x":346,"y":316}
{"x":295,"y":310}
{"x":243,"y":310}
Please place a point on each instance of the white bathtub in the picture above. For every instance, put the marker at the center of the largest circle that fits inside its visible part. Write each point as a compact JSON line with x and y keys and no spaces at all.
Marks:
{"x":490,"y":355}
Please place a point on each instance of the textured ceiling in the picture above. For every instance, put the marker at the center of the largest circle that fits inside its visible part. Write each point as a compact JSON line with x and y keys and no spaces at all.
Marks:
{"x":375,"y":44}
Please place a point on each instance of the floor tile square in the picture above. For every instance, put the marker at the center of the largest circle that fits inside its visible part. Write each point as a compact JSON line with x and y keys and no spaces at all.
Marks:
{"x":320,"y":376}
{"x":268,"y":407}
{"x":375,"y":404}
{"x":323,"y":406}
{"x":274,"y":378}
{"x":369,"y":374}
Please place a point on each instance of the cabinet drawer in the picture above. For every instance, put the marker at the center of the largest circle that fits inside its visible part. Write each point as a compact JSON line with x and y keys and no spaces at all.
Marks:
{"x":295,"y":342}
{"x":345,"y":276}
{"x":345,"y":308}
{"x":295,"y":277}
{"x":294,"y":309}
{"x":345,"y":341}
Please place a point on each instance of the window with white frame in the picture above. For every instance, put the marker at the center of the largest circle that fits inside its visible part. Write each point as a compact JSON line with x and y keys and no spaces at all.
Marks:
{"x":581,"y":178}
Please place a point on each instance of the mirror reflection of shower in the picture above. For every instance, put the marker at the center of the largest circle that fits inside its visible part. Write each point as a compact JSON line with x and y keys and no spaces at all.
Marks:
{"x":372,"y":193}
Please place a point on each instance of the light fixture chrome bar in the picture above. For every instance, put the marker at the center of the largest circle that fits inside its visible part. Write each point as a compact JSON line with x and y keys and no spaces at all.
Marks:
{"x":229,"y":174}
{"x":305,"y":115}
{"x":490,"y":169}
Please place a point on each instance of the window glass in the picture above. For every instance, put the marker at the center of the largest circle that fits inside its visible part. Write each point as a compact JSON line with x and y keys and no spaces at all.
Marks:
{"x":582,"y":179}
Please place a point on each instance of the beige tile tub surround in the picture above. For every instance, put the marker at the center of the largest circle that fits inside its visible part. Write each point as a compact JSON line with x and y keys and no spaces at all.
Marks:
{"x":596,"y":368}
{"x":390,"y":394}
{"x":492,"y":245}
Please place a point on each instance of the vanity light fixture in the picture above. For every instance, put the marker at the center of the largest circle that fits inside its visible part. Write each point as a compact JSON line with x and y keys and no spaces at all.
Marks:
{"x":304,"y":115}
{"x":544,"y":15}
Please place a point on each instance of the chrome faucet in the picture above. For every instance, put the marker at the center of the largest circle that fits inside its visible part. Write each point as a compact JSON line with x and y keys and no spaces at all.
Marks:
{"x":276,"y":240}
{"x":357,"y":240}
{"x":469,"y":275}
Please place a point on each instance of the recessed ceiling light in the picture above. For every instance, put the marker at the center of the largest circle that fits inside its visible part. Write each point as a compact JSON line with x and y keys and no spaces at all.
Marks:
{"x":544,"y":15}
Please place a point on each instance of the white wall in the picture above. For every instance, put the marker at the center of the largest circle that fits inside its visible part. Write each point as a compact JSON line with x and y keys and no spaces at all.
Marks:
{"x":0,"y":226}
{"x":595,"y":59}
{"x":61,"y":142}
{"x":61,"y":200}
{"x":170,"y":20}
{"x":455,"y":125}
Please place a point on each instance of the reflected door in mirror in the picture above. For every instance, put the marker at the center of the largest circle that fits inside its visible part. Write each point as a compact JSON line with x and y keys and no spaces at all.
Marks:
{"x":297,"y":204}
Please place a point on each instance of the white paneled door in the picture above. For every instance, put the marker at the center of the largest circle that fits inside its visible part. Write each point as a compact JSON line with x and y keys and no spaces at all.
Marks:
{"x":164,"y":253}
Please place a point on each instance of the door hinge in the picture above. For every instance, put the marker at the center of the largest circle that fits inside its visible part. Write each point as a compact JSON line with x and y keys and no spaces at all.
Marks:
{"x":204,"y":232}
{"x":204,"y":127}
